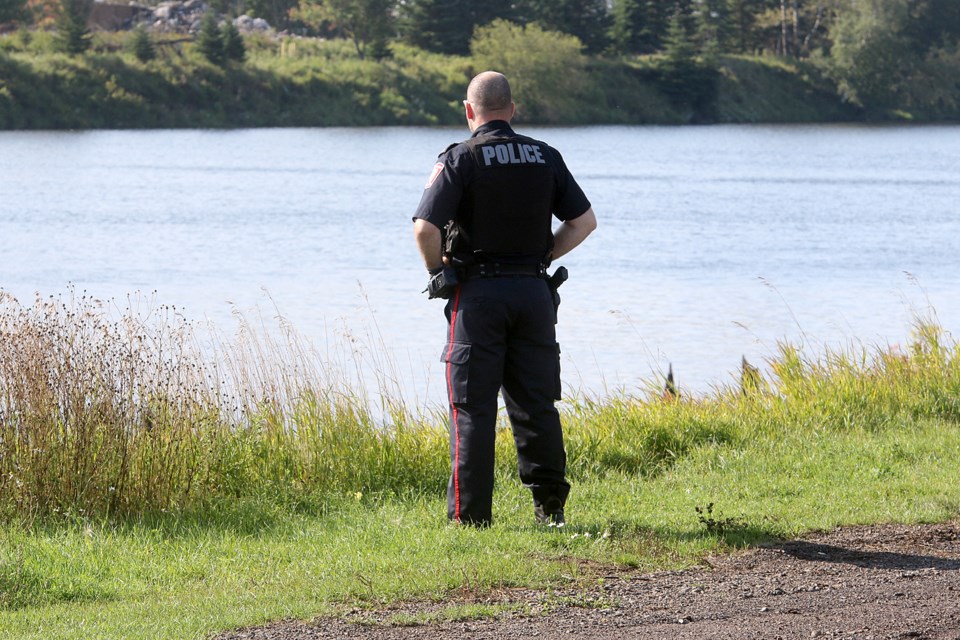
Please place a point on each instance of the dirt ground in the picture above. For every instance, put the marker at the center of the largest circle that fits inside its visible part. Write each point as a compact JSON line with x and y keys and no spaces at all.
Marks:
{"x":868,"y":583}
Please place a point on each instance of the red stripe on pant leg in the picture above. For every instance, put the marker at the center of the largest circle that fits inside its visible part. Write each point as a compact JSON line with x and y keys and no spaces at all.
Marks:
{"x":455,"y":413}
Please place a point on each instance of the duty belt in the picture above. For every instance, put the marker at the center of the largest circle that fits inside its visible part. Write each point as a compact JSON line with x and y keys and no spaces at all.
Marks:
{"x":497,"y":270}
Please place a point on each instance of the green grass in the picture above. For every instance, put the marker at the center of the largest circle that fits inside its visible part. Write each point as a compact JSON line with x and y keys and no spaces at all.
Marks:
{"x":285,"y":82}
{"x":152,"y":489}
{"x":187,"y":575}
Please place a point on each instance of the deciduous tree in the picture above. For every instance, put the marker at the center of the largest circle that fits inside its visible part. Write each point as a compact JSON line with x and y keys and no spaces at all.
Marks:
{"x":276,"y":12}
{"x":889,"y":54}
{"x":588,"y":20}
{"x":367,"y":23}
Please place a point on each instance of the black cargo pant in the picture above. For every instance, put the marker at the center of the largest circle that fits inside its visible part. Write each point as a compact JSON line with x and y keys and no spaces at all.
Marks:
{"x":501,"y":334}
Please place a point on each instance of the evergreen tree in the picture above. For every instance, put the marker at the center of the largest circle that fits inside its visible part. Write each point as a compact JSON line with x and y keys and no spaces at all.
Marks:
{"x":680,"y":53}
{"x":11,"y":10}
{"x":210,"y":40}
{"x":714,"y":26}
{"x":742,"y":17}
{"x":657,"y":15}
{"x":586,"y":19}
{"x":683,"y":77}
{"x":446,"y":26}
{"x":933,"y":23}
{"x":687,"y":13}
{"x":629,"y":21}
{"x":437,"y":25}
{"x":233,"y":47}
{"x":142,"y":45}
{"x":73,"y":36}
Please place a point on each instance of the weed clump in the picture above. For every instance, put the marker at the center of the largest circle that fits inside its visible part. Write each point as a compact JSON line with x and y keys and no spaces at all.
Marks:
{"x":716,"y":524}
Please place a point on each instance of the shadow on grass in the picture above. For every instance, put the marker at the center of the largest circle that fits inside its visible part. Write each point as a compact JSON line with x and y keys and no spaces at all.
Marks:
{"x":242,"y":517}
{"x":659,"y":543}
{"x":737,"y":536}
{"x":22,"y":587}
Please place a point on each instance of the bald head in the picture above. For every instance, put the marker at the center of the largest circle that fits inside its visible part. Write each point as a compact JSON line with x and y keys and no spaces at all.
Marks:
{"x":490,"y":96}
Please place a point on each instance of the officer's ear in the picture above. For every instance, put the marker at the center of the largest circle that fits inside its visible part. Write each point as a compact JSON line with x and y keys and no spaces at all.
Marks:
{"x":468,"y":108}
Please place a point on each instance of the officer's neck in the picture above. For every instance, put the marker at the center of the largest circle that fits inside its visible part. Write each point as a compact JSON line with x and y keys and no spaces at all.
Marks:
{"x":492,"y":123}
{"x":480,"y":119}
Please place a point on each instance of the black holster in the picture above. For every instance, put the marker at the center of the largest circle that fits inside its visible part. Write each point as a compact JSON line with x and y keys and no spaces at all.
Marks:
{"x":558,"y":278}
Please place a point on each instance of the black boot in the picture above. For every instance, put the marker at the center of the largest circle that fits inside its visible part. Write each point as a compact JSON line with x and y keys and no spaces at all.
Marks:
{"x":549,"y":513}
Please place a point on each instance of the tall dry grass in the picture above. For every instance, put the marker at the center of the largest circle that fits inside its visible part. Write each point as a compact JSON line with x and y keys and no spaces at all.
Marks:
{"x":100,"y":414}
{"x":110,"y":410}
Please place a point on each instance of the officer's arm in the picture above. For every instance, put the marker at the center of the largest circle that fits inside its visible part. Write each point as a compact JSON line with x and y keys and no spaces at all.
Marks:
{"x":572,"y":232}
{"x":428,"y":239}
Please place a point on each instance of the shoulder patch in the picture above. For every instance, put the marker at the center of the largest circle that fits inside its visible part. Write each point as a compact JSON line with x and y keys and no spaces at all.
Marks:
{"x":437,"y":170}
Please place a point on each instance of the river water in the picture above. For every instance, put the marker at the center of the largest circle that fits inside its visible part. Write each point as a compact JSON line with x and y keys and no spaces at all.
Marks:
{"x":713,"y":242}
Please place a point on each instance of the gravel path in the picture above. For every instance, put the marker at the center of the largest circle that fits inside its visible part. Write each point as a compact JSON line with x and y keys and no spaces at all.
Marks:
{"x":867,"y":583}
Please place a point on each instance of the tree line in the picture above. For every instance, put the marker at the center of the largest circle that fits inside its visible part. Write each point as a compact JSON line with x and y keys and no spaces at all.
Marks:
{"x":885,"y":55}
{"x":798,"y":28}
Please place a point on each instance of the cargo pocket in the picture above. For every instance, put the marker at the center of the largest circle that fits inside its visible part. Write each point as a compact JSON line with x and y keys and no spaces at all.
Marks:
{"x":457,"y":357}
{"x":558,"y":387}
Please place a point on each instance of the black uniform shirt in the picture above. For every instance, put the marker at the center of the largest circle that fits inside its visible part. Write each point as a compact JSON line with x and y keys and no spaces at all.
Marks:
{"x":455,"y":172}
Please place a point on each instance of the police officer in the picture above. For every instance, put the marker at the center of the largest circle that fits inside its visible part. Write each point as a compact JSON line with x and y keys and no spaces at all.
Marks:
{"x":484,"y":229}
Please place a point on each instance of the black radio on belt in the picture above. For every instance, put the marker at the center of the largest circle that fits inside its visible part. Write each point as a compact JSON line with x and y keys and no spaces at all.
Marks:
{"x":442,"y":284}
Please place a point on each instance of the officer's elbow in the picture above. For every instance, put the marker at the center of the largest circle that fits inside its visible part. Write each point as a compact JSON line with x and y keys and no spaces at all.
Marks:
{"x":587,"y":222}
{"x":425,"y":232}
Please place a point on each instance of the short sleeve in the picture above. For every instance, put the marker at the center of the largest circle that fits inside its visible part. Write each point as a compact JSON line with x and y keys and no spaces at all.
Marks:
{"x":571,"y":201}
{"x":444,"y":189}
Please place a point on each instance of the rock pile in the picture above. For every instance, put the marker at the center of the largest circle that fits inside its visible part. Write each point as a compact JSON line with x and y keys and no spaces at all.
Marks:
{"x":247,"y":24}
{"x":180,"y":16}
{"x":185,"y":15}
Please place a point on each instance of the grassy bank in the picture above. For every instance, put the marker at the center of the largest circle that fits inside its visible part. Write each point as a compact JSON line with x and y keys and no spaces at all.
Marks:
{"x":155,"y":485}
{"x":305,"y":82}
{"x":284,"y":83}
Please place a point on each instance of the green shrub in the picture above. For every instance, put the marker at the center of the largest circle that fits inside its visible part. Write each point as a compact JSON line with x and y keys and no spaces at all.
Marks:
{"x":545,"y":68}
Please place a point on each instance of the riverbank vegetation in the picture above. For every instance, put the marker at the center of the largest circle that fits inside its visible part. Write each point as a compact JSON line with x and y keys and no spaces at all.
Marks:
{"x":155,"y":482}
{"x":379,"y":62}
